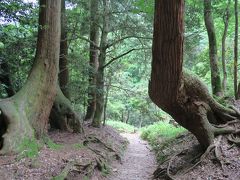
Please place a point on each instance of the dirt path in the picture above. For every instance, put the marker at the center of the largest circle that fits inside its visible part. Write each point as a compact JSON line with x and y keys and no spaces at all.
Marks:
{"x":138,"y":162}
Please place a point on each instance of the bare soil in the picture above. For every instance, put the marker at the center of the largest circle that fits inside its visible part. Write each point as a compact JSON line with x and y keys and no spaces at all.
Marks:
{"x":138,"y":162}
{"x":80,"y":157}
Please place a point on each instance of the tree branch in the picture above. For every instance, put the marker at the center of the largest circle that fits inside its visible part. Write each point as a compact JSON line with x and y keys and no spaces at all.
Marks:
{"x":121,"y":55}
{"x":127,"y":37}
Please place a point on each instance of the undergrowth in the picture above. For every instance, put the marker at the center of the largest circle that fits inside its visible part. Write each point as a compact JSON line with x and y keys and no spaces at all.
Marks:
{"x":121,"y":127}
{"x":160,"y":135}
{"x":29,"y":148}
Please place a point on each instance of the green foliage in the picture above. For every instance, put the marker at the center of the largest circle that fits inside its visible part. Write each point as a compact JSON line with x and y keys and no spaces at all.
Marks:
{"x":29,"y":148}
{"x":160,"y":135}
{"x":121,"y":127}
{"x":160,"y":130}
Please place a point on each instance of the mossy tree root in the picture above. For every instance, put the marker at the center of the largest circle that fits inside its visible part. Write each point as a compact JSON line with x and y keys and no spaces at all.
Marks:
{"x":17,"y":127}
{"x":63,"y":116}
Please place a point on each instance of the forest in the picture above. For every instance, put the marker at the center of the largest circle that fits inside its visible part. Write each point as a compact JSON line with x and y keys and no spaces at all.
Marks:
{"x":119,"y":89}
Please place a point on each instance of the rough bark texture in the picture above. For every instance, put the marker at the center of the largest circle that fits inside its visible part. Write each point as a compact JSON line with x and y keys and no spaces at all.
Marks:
{"x":93,"y":62}
{"x":226,"y":17}
{"x":97,"y":120}
{"x":215,"y":73}
{"x":5,"y":78}
{"x":181,"y":95}
{"x":236,"y":52}
{"x":26,"y":113}
{"x":63,"y":61}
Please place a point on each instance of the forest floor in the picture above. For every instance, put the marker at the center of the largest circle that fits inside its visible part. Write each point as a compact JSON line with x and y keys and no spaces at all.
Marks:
{"x":138,"y":162}
{"x":66,"y":156}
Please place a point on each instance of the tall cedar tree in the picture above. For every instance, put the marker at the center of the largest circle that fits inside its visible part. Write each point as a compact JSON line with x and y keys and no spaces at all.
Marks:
{"x":25,"y":115}
{"x":93,"y":60}
{"x":97,"y":119}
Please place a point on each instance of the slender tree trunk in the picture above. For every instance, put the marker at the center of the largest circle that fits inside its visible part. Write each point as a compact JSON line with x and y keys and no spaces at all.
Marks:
{"x":63,"y":61}
{"x":215,"y":73}
{"x":6,"y":79}
{"x":26,"y":113}
{"x":128,"y":115}
{"x":106,"y":99}
{"x":178,"y":93}
{"x":226,"y":17}
{"x":93,"y":62}
{"x":97,"y":120}
{"x":236,"y":52}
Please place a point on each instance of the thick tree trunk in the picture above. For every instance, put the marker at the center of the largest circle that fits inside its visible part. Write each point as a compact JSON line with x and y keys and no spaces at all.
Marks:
{"x":26,"y":113}
{"x":215,"y":73}
{"x":236,"y":52}
{"x":63,"y":61}
{"x":97,"y":120}
{"x":226,"y":17}
{"x":6,"y":79}
{"x":93,"y":62}
{"x":181,"y":95}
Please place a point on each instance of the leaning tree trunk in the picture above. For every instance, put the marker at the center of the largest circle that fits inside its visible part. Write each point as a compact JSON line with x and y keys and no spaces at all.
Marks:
{"x":236,"y":87}
{"x":226,"y":17}
{"x":215,"y":73}
{"x":25,"y":115}
{"x":5,"y":78}
{"x":178,"y":93}
{"x":93,"y":62}
{"x":97,"y":120}
{"x":63,"y":61}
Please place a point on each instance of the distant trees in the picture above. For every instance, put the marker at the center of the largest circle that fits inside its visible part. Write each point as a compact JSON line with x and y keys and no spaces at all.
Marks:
{"x":215,"y":73}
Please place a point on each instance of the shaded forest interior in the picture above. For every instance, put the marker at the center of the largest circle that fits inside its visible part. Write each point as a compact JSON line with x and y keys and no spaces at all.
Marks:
{"x":71,"y":70}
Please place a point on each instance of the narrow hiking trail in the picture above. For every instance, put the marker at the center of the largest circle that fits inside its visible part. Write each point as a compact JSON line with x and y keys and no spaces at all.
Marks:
{"x":138,"y":162}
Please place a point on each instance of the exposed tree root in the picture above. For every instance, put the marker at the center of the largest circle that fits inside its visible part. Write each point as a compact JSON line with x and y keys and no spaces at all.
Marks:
{"x":94,"y":139}
{"x":234,"y":139}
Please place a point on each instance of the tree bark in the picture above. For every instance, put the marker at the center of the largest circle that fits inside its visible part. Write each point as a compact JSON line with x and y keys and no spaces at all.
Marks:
{"x":97,"y":120}
{"x":6,"y":79}
{"x":26,"y":113}
{"x":215,"y":73}
{"x":93,"y":62}
{"x":178,"y":93}
{"x":236,"y":52}
{"x":63,"y":61}
{"x":226,"y":17}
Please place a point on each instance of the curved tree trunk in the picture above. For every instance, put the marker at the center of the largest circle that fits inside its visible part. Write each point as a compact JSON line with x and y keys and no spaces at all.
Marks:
{"x":178,"y":93}
{"x":93,"y":62}
{"x":63,"y":61}
{"x":215,"y":73}
{"x":26,"y":113}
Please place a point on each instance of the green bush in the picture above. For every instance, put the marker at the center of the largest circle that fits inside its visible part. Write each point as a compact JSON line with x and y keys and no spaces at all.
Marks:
{"x":160,"y":130}
{"x":160,"y":136}
{"x":121,"y":127}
